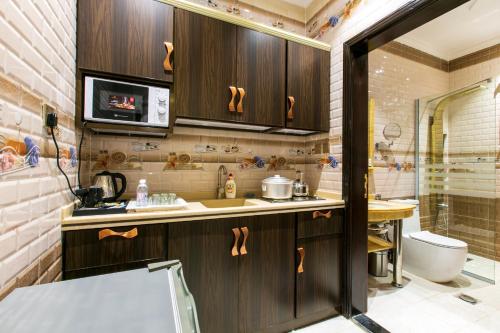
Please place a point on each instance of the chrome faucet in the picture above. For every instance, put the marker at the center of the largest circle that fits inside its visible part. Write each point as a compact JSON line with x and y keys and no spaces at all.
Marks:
{"x":220,"y":181}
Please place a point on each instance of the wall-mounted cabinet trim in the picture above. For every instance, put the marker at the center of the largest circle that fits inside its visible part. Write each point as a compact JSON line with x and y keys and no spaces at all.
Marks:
{"x":220,"y":15}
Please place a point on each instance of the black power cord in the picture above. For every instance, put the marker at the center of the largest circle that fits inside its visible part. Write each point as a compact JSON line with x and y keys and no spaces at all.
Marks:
{"x":80,"y":155}
{"x":52,"y":124}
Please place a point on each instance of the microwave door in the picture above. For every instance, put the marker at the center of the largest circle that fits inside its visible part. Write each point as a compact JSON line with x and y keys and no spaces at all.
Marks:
{"x":120,"y":103}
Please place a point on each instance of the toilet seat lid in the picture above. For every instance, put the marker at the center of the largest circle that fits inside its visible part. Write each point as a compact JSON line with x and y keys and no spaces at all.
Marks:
{"x":429,"y":237}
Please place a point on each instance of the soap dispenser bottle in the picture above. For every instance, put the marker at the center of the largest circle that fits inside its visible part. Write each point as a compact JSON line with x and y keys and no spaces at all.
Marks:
{"x":230,"y":188}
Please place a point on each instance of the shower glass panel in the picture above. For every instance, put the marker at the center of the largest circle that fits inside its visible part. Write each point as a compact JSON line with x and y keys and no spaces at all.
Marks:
{"x":456,"y":153}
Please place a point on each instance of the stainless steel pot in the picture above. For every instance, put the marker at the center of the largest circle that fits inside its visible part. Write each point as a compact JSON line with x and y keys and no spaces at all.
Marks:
{"x":277,"y":187}
{"x":300,"y":188}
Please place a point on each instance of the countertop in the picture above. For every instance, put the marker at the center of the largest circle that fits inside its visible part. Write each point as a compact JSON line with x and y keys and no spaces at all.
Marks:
{"x":379,"y":211}
{"x":195,"y":211}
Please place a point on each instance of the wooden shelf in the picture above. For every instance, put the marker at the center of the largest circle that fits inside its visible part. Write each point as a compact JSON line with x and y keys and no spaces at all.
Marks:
{"x":376,"y":244}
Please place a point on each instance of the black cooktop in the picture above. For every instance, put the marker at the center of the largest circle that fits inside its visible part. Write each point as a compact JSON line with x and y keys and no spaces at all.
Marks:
{"x":293,"y":199}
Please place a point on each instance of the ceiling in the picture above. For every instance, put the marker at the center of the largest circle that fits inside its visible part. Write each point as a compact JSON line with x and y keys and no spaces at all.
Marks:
{"x":301,"y":3}
{"x":464,"y":30}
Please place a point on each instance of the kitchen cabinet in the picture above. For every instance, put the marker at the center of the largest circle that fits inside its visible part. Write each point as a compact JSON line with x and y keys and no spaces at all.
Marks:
{"x":228,"y":73}
{"x":105,"y":250}
{"x":308,"y":88}
{"x":319,"y":281}
{"x":126,"y":37}
{"x":242,"y":282}
{"x":266,"y":286}
{"x":319,"y":257}
{"x":211,"y":271}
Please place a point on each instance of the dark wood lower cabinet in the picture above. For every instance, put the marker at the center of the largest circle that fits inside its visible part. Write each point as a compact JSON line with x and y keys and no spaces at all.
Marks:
{"x":211,"y":272}
{"x":266,"y":286}
{"x":242,"y":271}
{"x":114,"y":249}
{"x":319,"y":285}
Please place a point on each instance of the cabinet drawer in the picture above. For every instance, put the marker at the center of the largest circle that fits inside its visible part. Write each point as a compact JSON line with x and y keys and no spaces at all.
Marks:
{"x":86,"y":272}
{"x":112,"y":246}
{"x":319,"y":223}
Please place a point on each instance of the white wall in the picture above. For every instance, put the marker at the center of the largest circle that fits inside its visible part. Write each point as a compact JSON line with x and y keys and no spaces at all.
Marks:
{"x":364,"y":16}
{"x":37,"y":63}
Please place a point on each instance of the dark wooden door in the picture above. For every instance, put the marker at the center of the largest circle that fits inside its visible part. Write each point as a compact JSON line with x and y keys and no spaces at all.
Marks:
{"x":210,"y":270}
{"x":205,"y":66}
{"x":125,"y":37}
{"x":319,"y":285}
{"x":308,"y":82}
{"x":266,"y":275}
{"x":261,"y":61}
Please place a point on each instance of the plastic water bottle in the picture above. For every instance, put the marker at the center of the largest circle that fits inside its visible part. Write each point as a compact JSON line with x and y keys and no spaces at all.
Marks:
{"x":142,"y":193}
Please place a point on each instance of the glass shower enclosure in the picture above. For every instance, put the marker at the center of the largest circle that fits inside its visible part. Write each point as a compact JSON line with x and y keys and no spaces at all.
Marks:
{"x":456,"y":154}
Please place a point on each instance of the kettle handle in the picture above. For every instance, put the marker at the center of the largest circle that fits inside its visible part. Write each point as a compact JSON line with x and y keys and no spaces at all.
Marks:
{"x":123,"y":180}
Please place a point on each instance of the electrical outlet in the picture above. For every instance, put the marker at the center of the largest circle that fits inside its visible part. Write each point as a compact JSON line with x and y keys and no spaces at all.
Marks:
{"x":46,"y":109}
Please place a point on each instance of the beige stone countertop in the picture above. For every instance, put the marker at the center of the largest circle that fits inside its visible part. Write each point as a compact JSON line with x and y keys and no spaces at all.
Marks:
{"x":194,"y":211}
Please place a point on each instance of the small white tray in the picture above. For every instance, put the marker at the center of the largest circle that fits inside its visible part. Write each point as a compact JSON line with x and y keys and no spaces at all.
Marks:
{"x":179,"y":204}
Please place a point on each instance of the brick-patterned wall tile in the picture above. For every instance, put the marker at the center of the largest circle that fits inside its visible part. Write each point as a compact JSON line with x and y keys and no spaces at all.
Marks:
{"x":37,"y":52}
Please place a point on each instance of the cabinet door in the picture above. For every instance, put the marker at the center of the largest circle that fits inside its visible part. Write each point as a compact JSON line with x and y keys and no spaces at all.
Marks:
{"x":308,"y":83}
{"x":92,"y":248}
{"x":125,"y":37}
{"x":210,"y":270}
{"x":261,"y":61}
{"x":266,"y":276}
{"x":319,"y":284}
{"x":205,"y":66}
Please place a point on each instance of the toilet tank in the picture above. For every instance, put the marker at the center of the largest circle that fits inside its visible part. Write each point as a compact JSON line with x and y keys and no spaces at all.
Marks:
{"x":410,"y":224}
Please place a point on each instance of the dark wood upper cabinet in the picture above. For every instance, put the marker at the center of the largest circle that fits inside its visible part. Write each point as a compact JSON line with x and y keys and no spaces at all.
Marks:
{"x":308,"y":82}
{"x":211,"y":272}
{"x":125,"y":37}
{"x":205,"y":66}
{"x":266,"y":282}
{"x":212,"y":56}
{"x":319,"y":285}
{"x":261,"y":73}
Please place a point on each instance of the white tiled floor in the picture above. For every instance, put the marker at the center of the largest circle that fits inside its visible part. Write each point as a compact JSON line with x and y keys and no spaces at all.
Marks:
{"x":481,"y":266}
{"x":424,"y":306}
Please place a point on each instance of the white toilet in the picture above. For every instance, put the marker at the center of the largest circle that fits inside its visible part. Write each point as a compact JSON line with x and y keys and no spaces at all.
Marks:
{"x":434,"y":257}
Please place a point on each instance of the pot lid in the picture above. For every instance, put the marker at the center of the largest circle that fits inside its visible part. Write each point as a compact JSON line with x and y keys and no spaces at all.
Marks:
{"x":277,"y":179}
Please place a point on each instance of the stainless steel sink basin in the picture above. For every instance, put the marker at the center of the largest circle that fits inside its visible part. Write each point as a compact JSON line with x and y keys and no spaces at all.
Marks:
{"x":226,"y":203}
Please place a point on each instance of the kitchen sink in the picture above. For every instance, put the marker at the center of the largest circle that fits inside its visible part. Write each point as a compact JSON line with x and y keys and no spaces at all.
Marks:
{"x":226,"y":203}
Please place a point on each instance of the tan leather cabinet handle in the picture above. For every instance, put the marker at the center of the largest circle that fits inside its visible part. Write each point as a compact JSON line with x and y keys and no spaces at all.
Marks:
{"x":302,"y":254}
{"x":231,"y":107}
{"x":291,"y":102}
{"x":167,"y":63}
{"x":240,"y":103}
{"x":234,"y":250}
{"x":132,"y":233}
{"x":243,"y":249}
{"x":317,"y":214}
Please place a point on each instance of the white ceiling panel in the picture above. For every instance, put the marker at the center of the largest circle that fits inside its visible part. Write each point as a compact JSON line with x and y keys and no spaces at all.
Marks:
{"x":471,"y":27}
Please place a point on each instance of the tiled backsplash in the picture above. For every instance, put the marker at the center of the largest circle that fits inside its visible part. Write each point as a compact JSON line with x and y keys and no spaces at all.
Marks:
{"x":187,"y":162}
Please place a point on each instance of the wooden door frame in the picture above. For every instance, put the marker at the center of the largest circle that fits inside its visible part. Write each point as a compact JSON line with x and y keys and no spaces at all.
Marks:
{"x":355,"y":137}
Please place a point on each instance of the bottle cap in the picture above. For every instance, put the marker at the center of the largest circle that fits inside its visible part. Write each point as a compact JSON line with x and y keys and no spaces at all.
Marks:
{"x":142,"y":181}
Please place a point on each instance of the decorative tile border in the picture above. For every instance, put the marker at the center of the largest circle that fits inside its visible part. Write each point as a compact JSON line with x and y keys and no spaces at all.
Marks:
{"x":475,"y":58}
{"x":421,"y":57}
{"x":416,"y":55}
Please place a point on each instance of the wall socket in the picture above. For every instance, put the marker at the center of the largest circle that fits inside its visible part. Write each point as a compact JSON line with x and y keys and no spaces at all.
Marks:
{"x":46,"y":109}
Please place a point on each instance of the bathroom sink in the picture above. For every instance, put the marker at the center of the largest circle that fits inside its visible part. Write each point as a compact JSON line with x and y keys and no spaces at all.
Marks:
{"x":379,"y":211}
{"x":226,"y":203}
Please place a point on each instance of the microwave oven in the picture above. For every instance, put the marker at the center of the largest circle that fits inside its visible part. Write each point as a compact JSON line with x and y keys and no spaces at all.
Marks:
{"x":119,"y":102}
